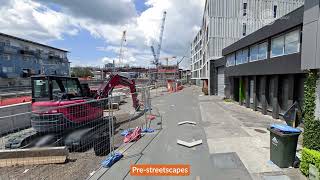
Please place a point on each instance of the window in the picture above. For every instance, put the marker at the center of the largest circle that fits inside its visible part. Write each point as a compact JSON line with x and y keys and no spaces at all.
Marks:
{"x":244,"y":29}
{"x":242,"y":56}
{"x":275,"y":7}
{"x":7,"y":69}
{"x":286,"y":44}
{"x":56,"y":90}
{"x":292,"y":41}
{"x":207,"y":33}
{"x":254,"y":51}
{"x":41,"y":89}
{"x":6,"y":57}
{"x":239,"y":57}
{"x":245,"y":55}
{"x":7,"y":42}
{"x":231,"y":60}
{"x":245,"y":9}
{"x":263,"y":51}
{"x":4,"y":69}
{"x":277,"y":46}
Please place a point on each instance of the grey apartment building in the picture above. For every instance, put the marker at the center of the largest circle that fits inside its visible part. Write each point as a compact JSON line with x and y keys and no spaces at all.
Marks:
{"x":22,"y":58}
{"x":225,"y":22}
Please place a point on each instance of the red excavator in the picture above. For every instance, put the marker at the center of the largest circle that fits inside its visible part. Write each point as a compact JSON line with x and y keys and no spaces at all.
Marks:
{"x":65,"y":112}
{"x":61,"y":103}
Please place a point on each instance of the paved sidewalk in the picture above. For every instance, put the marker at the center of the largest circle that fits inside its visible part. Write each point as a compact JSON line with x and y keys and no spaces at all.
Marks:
{"x":230,"y":127}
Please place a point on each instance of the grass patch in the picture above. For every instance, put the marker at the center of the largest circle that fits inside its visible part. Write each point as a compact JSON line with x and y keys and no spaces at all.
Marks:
{"x":227,"y":100}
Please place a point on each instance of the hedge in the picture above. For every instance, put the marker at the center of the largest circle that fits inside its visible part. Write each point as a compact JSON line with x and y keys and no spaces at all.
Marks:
{"x":311,"y":135}
{"x":309,"y":157}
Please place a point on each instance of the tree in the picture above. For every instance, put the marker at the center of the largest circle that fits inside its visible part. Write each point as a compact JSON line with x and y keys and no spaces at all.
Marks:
{"x":82,"y":72}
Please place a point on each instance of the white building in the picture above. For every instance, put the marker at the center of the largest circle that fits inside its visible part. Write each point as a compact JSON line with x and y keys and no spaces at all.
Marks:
{"x":196,"y":58}
{"x":226,"y":21}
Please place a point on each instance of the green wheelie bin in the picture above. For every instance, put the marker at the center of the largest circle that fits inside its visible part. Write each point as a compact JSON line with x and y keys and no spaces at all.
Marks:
{"x":283,"y":144}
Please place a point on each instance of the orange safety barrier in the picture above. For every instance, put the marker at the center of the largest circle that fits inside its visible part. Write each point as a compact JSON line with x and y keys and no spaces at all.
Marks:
{"x":174,"y":86}
{"x":15,"y":100}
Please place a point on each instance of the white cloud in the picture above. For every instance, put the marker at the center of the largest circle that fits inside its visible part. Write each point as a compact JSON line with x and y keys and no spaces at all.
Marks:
{"x":103,"y":11}
{"x":31,"y":20}
{"x":131,"y":56}
{"x":37,"y":20}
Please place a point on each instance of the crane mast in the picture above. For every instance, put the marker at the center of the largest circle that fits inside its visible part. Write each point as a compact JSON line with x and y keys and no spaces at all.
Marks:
{"x":161,"y":35}
{"x":123,"y":41}
{"x":156,"y":53}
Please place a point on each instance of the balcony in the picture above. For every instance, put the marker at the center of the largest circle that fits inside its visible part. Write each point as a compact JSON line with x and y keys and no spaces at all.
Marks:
{"x":58,"y":58}
{"x":27,"y":52}
{"x":53,"y":56}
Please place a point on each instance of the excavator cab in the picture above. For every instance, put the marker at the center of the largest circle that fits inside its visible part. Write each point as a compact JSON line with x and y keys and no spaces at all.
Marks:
{"x":59,"y":103}
{"x":55,"y":88}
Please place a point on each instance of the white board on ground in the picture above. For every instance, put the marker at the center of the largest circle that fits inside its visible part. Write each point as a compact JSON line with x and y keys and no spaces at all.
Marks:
{"x":187,"y":122}
{"x":189,"y":144}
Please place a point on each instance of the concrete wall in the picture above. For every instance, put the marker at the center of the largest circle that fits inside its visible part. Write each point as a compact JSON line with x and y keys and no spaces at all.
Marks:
{"x":12,"y":119}
{"x":311,"y":35}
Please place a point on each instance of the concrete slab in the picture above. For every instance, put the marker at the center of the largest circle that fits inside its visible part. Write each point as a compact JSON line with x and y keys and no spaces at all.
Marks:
{"x":228,"y":134}
{"x":233,"y":128}
{"x":229,"y":166}
{"x":220,"y":123}
{"x":251,"y":151}
{"x":35,"y":156}
{"x":281,"y":177}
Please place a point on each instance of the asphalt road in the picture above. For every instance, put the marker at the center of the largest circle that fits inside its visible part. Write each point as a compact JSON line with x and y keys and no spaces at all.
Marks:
{"x":184,"y":106}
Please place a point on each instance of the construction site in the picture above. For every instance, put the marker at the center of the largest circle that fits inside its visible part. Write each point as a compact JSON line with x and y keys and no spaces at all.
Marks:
{"x":199,"y":90}
{"x":55,"y":126}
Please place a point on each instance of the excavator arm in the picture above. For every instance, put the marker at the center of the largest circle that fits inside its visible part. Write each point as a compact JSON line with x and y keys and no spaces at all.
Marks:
{"x":115,"y":80}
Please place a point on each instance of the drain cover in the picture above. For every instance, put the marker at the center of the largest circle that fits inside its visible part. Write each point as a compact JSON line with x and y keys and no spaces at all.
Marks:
{"x":260,"y":131}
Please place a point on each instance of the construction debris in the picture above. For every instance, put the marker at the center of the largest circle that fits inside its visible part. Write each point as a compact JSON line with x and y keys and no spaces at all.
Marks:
{"x":134,"y":136}
{"x":113,"y":158}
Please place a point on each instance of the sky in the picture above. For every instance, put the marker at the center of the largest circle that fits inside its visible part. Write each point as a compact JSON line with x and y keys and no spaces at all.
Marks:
{"x":92,"y":30}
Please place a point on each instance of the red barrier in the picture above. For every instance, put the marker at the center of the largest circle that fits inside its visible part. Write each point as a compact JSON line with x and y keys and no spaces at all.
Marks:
{"x":15,"y":100}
